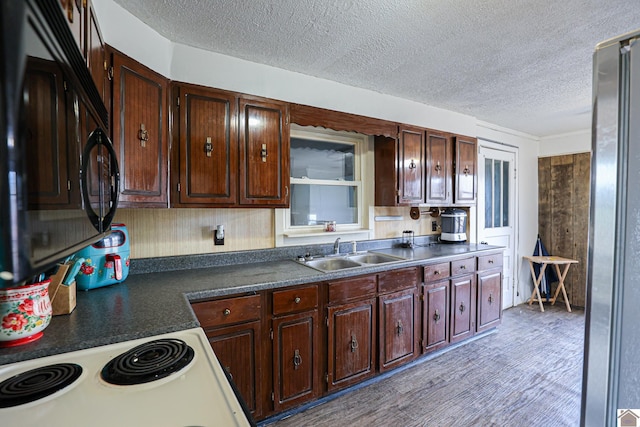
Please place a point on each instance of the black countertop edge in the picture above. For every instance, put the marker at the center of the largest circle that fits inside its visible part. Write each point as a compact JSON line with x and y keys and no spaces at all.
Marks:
{"x":151,"y":304}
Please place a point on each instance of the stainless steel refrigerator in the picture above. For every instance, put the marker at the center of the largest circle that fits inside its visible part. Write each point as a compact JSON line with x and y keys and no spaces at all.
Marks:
{"x":611,"y":377}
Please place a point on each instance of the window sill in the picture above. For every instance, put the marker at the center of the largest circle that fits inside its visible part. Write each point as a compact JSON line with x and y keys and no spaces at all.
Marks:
{"x":293,"y":234}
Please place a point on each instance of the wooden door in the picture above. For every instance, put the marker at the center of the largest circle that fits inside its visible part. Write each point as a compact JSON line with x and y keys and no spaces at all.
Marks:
{"x":238,"y":350}
{"x":435,"y":309}
{"x":208,"y":149}
{"x":396,"y":313}
{"x":411,"y":165}
{"x":466,"y":177}
{"x":140,"y":132}
{"x":489,"y":309}
{"x":462,"y":307}
{"x":563,"y":215}
{"x":264,"y":152}
{"x":95,"y":52}
{"x":438,"y":171}
{"x":295,"y":359}
{"x":351,"y":343}
{"x":49,"y":181}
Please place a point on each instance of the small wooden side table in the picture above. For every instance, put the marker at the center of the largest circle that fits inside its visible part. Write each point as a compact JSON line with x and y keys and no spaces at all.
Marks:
{"x":544,"y":261}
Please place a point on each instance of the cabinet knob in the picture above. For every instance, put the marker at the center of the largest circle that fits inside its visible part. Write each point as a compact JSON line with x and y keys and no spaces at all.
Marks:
{"x":263,"y":152}
{"x":208,"y":147}
{"x":461,"y":308}
{"x":436,"y":273}
{"x":490,"y":299}
{"x":143,"y":135}
{"x":354,"y":343}
{"x":226,"y":312}
{"x":466,"y":170}
{"x":438,"y":168}
{"x":297,"y":300}
{"x":412,"y":164}
{"x":297,"y":359}
{"x":436,"y":316}
{"x":399,"y":328}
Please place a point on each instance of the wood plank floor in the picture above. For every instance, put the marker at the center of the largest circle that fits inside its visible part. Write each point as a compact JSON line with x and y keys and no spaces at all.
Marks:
{"x":527,"y":373}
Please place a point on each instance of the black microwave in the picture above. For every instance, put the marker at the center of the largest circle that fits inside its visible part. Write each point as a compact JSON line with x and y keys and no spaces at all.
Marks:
{"x":59,"y":174}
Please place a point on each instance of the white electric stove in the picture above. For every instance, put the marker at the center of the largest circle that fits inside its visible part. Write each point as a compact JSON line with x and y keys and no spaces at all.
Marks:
{"x":172,"y":380}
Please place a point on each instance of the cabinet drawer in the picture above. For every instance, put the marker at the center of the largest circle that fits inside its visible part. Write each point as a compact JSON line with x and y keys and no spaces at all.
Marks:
{"x":227,"y":311}
{"x":349,"y":289}
{"x":436,"y":271}
{"x":487,"y":262}
{"x":293,"y":300}
{"x":395,"y":280}
{"x":462,"y":266}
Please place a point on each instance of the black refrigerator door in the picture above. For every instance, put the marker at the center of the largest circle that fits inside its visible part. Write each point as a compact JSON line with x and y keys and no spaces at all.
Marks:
{"x":100,"y":180}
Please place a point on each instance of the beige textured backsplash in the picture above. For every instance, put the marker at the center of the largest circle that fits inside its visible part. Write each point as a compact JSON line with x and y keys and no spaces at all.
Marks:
{"x":171,"y":232}
{"x":390,"y":229}
{"x":168,"y":232}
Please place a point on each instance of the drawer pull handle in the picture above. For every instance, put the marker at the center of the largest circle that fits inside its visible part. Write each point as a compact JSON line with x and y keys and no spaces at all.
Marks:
{"x":297,"y":359}
{"x":490,"y":261}
{"x":461,"y":308}
{"x":436,"y":272}
{"x":436,"y":316}
{"x":354,"y":343}
{"x":399,"y":328}
{"x":226,"y":312}
{"x":463,"y":267}
{"x":208,"y":147}
{"x":297,"y":300}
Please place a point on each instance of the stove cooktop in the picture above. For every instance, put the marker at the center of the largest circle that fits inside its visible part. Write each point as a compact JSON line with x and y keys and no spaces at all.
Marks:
{"x":166,"y":380}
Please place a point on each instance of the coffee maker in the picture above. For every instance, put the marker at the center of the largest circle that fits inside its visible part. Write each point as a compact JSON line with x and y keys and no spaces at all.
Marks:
{"x":454,"y":226}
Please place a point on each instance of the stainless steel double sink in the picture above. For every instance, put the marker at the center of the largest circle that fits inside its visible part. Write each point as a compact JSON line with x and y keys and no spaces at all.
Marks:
{"x":340,"y":262}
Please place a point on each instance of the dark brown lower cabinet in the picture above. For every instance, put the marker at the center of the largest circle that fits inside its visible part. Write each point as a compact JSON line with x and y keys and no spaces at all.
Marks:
{"x":435,"y":306}
{"x":238,"y":350}
{"x":234,"y":330}
{"x":489,"y":299}
{"x":351,"y":343}
{"x":462,"y":307}
{"x":397,"y":340}
{"x":295,"y":364}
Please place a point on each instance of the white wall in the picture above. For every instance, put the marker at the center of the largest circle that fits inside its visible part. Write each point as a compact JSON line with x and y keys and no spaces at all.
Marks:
{"x":567,"y":143}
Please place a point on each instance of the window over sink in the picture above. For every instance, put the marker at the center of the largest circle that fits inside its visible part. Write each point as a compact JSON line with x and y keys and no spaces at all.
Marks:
{"x":327,"y":184}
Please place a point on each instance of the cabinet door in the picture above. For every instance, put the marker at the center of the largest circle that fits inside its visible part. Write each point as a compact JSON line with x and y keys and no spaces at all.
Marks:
{"x":47,"y":135}
{"x":462,"y":307}
{"x":140,"y":133}
{"x":208,"y":147}
{"x":410,"y":166}
{"x":435,"y":308}
{"x":397,"y":329}
{"x":295,"y":360}
{"x":438,"y":170}
{"x":489,"y":299}
{"x":238,"y":350}
{"x":351,"y":343}
{"x":72,"y":10}
{"x":465,"y":170}
{"x":95,"y":52}
{"x":264,"y":152}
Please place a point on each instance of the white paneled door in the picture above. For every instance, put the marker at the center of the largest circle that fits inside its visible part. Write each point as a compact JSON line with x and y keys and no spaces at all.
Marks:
{"x":496,"y":209}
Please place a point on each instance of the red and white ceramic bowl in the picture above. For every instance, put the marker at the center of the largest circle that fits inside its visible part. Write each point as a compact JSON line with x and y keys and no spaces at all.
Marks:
{"x":24,"y":313}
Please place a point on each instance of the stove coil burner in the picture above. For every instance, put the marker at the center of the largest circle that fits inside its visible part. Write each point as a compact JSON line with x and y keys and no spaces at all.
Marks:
{"x":37,"y":383}
{"x":148,"y":362}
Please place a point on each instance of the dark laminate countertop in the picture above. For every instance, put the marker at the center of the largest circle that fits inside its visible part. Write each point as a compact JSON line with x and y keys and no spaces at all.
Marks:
{"x":148,"y":304}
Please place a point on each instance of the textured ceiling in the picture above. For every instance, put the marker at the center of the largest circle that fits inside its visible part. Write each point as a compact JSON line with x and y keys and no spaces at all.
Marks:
{"x":521,"y":64}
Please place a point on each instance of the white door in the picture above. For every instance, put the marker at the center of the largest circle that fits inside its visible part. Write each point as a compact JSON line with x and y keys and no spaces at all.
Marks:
{"x":496,"y":209}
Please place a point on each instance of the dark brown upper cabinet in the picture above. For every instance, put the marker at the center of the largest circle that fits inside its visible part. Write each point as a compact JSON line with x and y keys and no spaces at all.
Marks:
{"x":465,"y":170}
{"x":439,"y":177}
{"x":139,"y":132}
{"x":399,"y":168}
{"x":207,"y":148}
{"x":264,"y":152}
{"x":95,"y":53}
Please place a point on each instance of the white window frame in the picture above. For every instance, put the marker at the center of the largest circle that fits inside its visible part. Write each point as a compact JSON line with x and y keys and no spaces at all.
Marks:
{"x":288,"y":235}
